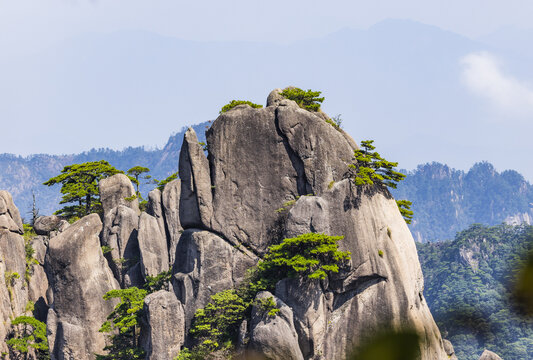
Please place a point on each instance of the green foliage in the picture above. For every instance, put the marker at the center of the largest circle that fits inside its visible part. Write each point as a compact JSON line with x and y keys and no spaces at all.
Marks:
{"x":216,"y":326}
{"x":309,"y":254}
{"x":234,"y":103}
{"x":28,"y":333}
{"x":468,"y":286}
{"x":161,"y":184}
{"x":10,"y":278}
{"x":218,"y":322}
{"x":405,"y":209}
{"x":29,"y":233}
{"x":267,"y":305}
{"x":309,"y":100}
{"x":158,"y":282}
{"x":30,"y":260}
{"x":30,"y":306}
{"x":446,"y":201}
{"x":380,"y":253}
{"x":106,"y":249}
{"x":370,"y":168}
{"x":122,"y":324}
{"x":79,"y":185}
{"x":136,"y":172}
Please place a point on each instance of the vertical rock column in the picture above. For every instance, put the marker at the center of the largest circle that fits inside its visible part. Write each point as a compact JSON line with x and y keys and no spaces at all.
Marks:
{"x":79,"y":277}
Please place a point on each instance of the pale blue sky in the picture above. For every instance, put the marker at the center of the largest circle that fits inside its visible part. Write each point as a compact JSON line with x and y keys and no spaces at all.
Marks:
{"x":458,"y":91}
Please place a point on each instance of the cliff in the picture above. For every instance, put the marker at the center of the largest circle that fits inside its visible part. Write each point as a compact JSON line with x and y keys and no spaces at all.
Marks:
{"x":270,"y":173}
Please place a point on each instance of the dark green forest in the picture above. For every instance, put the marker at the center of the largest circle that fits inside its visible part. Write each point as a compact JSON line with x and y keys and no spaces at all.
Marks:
{"x":468,"y":287}
{"x":446,"y":201}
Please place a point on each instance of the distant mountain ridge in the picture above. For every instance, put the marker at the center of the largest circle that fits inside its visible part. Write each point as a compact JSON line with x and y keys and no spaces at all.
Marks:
{"x":23,"y":175}
{"x":446,"y":201}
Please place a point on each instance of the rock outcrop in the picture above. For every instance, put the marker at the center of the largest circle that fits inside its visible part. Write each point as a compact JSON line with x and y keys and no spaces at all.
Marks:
{"x":45,"y":224}
{"x":171,"y":210}
{"x":79,"y":277}
{"x":117,"y":190}
{"x":270,"y":173}
{"x":206,"y":264}
{"x":489,"y":355}
{"x":152,"y":246}
{"x":274,"y":337}
{"x":163,"y":331}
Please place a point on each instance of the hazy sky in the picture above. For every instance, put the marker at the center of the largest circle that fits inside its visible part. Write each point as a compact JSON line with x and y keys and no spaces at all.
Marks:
{"x":30,"y":24}
{"x":489,"y":97}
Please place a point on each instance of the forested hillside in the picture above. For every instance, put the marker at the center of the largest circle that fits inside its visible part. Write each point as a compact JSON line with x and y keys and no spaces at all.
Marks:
{"x":446,"y":200}
{"x":468,"y":284}
{"x":23,"y":175}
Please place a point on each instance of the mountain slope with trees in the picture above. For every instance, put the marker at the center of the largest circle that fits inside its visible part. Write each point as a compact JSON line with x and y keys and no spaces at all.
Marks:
{"x":468,"y":287}
{"x":23,"y":175}
{"x":446,"y":200}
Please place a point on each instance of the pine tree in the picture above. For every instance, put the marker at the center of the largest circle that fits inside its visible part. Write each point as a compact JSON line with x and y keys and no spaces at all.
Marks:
{"x":371,"y":168}
{"x":79,"y":185}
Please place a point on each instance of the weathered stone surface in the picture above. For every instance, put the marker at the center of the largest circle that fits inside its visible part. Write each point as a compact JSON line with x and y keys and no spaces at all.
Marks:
{"x":45,"y":224}
{"x":274,"y":337}
{"x":253,"y":176}
{"x":37,"y":288}
{"x":152,"y":246}
{"x":121,"y":226}
{"x":196,"y":207}
{"x":13,"y":255}
{"x":163,"y":331}
{"x":489,"y":355}
{"x":113,"y":192}
{"x":39,"y":246}
{"x":79,"y":277}
{"x":274,"y":98}
{"x":320,"y":149}
{"x":155,"y":208}
{"x":310,"y":307}
{"x":206,"y":264}
{"x":332,"y":316}
{"x":7,"y":206}
{"x":448,"y":348}
{"x":13,"y":293}
{"x":7,"y":223}
{"x":171,"y":208}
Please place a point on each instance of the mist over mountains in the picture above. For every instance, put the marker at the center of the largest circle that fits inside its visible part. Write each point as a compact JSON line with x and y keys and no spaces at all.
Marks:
{"x":411,"y":87}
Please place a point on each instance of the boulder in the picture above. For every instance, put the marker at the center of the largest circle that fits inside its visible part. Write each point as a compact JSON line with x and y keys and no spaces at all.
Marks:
{"x":121,"y":226}
{"x":114,"y":191}
{"x":448,"y":348}
{"x":196,"y":199}
{"x":171,"y":209}
{"x":273,"y":337}
{"x":206,"y":264}
{"x":39,"y":245}
{"x":79,"y":277}
{"x":7,"y":207}
{"x":163,"y":330}
{"x":489,"y":355}
{"x":45,"y":224}
{"x":152,"y":246}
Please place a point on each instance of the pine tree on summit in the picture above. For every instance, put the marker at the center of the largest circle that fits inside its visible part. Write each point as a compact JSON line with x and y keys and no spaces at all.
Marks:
{"x":80,"y":186}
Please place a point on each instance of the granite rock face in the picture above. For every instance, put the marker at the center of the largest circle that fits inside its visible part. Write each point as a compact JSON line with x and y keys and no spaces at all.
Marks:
{"x":196,"y":199}
{"x":114,"y":190}
{"x":206,"y":264}
{"x":274,"y":337}
{"x":9,"y":214}
{"x":489,"y":355}
{"x":171,"y":209}
{"x":163,"y":331}
{"x":152,"y":246}
{"x":45,"y":224}
{"x":79,"y":277}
